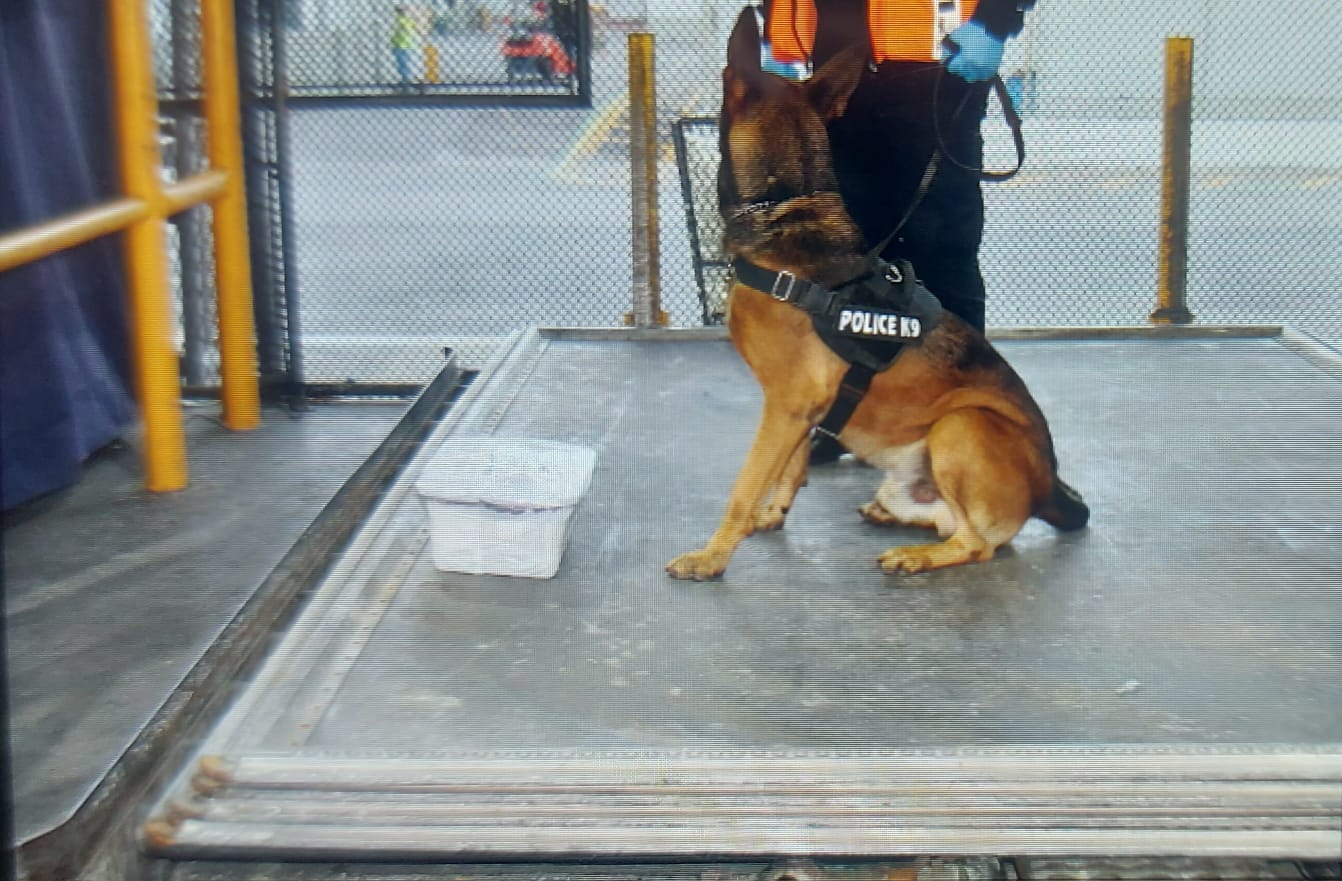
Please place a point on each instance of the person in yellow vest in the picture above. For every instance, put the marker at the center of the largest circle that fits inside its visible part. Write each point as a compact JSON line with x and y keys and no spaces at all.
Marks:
{"x":405,"y":45}
{"x":924,"y":93}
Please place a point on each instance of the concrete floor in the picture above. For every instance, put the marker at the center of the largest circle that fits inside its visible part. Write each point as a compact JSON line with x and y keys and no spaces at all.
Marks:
{"x":113,"y":594}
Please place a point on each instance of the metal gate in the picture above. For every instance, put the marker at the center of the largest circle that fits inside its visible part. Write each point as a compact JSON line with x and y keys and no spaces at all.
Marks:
{"x":327,"y":56}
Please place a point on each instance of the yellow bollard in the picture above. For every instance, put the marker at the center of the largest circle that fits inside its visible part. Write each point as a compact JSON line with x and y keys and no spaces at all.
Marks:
{"x":647,"y":296}
{"x":232,"y":264}
{"x":431,"y":74}
{"x":156,"y":366}
{"x":1176,"y":161}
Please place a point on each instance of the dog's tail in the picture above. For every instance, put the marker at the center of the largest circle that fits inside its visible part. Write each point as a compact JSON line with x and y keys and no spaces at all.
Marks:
{"x":1065,"y":509}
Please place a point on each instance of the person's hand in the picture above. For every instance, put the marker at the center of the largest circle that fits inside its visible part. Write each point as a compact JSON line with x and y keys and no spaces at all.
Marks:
{"x":975,"y":53}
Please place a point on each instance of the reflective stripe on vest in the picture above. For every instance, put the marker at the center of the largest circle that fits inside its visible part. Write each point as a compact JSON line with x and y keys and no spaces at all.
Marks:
{"x":901,"y":30}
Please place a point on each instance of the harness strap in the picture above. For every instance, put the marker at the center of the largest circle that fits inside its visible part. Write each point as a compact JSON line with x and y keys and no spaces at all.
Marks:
{"x":788,"y":288}
{"x":863,"y":364}
{"x":785,"y":287}
{"x":851,"y":391}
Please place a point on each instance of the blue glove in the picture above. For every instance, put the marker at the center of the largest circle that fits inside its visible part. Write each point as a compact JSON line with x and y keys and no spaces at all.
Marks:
{"x":976,"y":54}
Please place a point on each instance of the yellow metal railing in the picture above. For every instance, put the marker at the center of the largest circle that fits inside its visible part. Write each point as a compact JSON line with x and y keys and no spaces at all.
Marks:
{"x":140,"y":215}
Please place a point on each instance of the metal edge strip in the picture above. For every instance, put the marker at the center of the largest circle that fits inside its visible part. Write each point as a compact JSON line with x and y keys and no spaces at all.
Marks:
{"x":1100,"y":762}
{"x":367,"y":533}
{"x":1316,"y":352}
{"x":1139,"y":332}
{"x":733,"y":840}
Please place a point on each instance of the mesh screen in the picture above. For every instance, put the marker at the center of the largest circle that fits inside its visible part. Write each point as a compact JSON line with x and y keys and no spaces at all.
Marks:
{"x":184,"y":137}
{"x":463,"y":48}
{"x":458,"y":207}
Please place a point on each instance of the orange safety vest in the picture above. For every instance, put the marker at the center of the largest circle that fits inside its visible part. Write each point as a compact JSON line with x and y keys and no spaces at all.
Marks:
{"x":901,"y":30}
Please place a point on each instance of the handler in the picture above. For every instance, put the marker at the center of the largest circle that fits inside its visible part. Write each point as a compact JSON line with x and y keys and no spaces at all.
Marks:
{"x":924,"y":94}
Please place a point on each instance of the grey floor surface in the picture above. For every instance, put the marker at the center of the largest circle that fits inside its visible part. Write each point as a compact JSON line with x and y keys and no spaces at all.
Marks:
{"x":114,"y":593}
{"x":1200,"y":607}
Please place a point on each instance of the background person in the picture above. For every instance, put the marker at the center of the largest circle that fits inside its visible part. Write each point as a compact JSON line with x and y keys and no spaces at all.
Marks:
{"x":405,"y":46}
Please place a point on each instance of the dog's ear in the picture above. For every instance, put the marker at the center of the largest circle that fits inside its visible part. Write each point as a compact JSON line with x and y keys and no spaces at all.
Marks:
{"x":743,"y":46}
{"x":741,"y":78}
{"x":832,"y":85}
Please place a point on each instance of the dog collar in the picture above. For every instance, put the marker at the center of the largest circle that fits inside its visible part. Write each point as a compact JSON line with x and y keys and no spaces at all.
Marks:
{"x":749,"y":208}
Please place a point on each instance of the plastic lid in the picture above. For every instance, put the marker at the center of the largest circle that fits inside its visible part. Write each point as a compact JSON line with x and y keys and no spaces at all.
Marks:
{"x":519,"y":474}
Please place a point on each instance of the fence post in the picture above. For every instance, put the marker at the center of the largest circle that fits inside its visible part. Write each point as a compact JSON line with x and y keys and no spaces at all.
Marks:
{"x":1176,"y":158}
{"x":647,"y":296}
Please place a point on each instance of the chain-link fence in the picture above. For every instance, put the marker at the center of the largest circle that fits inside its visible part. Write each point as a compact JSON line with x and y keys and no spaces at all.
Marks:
{"x":1073,"y":239}
{"x":176,"y":33}
{"x":340,"y":48}
{"x":421,"y":219}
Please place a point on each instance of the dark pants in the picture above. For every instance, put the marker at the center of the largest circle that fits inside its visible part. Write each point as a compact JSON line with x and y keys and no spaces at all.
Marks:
{"x":882,"y":145}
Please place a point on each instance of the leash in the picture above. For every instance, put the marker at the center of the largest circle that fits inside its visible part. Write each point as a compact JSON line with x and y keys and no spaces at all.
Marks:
{"x":1009,"y":113}
{"x":933,"y":164}
{"x":825,"y":445}
{"x":924,"y":184}
{"x":856,"y":382}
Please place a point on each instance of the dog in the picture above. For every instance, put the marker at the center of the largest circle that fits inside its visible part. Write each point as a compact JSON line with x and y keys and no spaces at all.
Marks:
{"x":965,"y":448}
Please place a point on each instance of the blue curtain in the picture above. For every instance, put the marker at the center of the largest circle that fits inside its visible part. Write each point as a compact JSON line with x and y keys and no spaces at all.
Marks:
{"x":65,"y":382}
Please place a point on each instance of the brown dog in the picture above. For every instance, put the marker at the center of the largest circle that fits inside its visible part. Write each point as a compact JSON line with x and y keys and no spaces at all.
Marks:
{"x":966,"y":449}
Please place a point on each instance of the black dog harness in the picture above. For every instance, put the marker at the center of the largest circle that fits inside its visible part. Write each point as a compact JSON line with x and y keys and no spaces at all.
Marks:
{"x":867,"y":321}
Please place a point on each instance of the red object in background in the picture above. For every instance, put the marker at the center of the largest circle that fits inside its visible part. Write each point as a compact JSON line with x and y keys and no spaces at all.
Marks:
{"x":531,"y":52}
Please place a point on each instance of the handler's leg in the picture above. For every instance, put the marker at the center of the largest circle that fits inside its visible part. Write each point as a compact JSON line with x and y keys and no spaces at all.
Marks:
{"x":942,"y":241}
{"x":942,"y":237}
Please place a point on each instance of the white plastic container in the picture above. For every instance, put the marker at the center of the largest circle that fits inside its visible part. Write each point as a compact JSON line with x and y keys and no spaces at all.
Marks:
{"x":502,"y":505}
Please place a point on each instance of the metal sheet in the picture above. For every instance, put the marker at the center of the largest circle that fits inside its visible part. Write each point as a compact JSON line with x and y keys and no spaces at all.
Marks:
{"x":1187,"y":637}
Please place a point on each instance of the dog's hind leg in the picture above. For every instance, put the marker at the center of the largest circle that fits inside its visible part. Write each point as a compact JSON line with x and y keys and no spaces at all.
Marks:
{"x":984,"y":467}
{"x":900,"y":502}
{"x":908,"y":496}
{"x":780,"y":434}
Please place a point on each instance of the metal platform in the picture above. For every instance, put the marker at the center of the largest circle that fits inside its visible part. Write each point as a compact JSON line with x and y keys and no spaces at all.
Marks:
{"x":1166,"y":682}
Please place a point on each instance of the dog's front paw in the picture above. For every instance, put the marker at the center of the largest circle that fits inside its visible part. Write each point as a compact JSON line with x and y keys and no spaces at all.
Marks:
{"x":700,"y":565}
